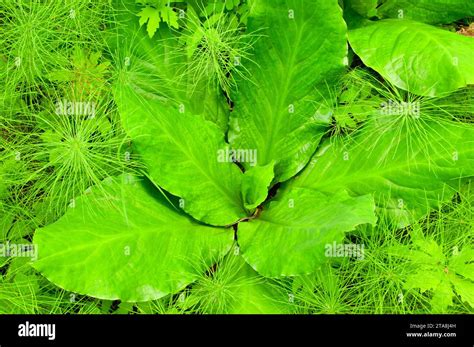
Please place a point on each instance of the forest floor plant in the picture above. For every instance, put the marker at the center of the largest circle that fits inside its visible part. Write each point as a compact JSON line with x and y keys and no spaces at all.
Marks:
{"x":112,"y":117}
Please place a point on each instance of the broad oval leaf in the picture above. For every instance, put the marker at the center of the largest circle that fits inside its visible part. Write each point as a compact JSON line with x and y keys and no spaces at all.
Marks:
{"x":410,"y":172}
{"x":417,"y":57}
{"x":290,"y":236}
{"x":128,"y":244}
{"x":182,"y":153}
{"x":302,"y":45}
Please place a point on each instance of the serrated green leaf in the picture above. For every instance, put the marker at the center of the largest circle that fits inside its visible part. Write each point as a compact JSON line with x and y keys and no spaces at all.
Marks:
{"x":429,"y":270}
{"x":129,"y":245}
{"x":424,"y":278}
{"x":169,"y":16}
{"x":290,"y":236}
{"x":276,"y":106}
{"x":465,"y":289}
{"x":442,"y":297}
{"x":151,"y":16}
{"x":429,"y":248}
{"x":439,"y":63}
{"x":463,"y":263}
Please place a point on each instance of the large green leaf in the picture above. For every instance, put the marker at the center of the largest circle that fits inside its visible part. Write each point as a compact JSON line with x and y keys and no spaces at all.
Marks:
{"x":428,"y":11}
{"x":290,"y":236}
{"x":409,"y":171}
{"x":414,"y":56}
{"x":128,"y":244}
{"x":302,"y":45}
{"x":182,"y":153}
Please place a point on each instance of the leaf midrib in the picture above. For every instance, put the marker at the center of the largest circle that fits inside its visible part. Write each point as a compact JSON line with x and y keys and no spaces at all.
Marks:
{"x":361,"y":175}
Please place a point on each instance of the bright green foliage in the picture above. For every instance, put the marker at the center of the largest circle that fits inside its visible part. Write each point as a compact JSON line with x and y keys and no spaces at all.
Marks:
{"x":129,"y":259}
{"x":444,"y":274}
{"x":218,"y":5}
{"x":215,"y":47}
{"x":323,"y":292}
{"x":356,"y":101}
{"x":290,"y":236}
{"x":159,"y":68}
{"x":427,"y":11}
{"x":187,"y":155}
{"x":34,"y":34}
{"x":69,"y":154}
{"x":234,"y":156}
{"x":403,"y":50}
{"x":276,"y":110}
{"x":255,"y":185}
{"x":161,"y":11}
{"x":410,"y":171}
{"x":88,"y":75}
{"x":232,"y":287}
{"x":208,"y":184}
{"x":366,"y":8}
